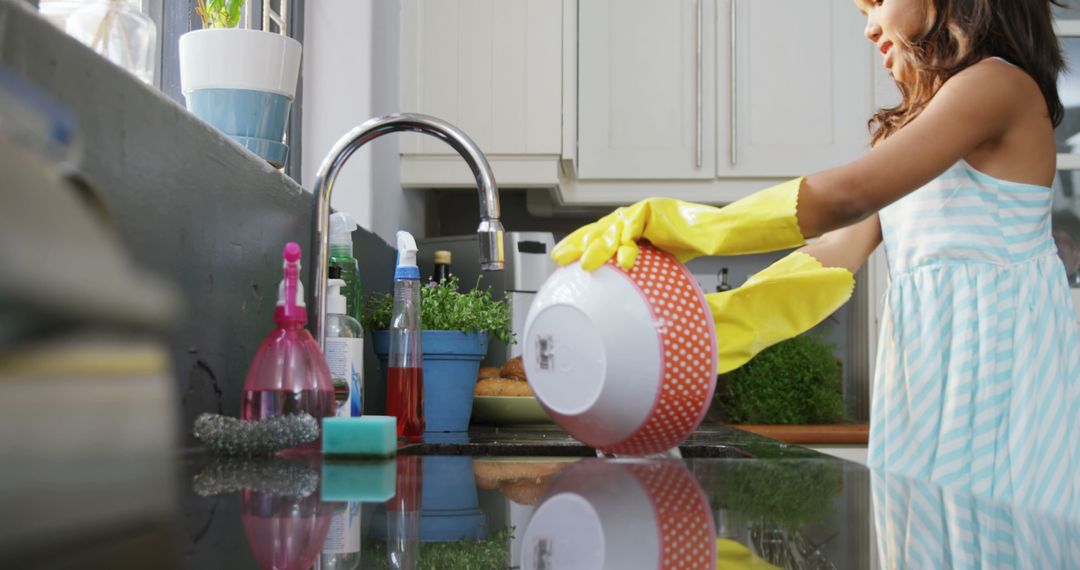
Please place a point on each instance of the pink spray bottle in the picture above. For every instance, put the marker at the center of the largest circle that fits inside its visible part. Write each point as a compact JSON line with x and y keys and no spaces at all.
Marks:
{"x":289,"y":374}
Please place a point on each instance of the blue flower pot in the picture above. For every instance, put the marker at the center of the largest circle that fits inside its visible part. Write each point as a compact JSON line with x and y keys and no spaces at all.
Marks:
{"x":450,"y":508}
{"x":451,"y":362}
{"x":449,"y":505}
{"x":255,"y":119}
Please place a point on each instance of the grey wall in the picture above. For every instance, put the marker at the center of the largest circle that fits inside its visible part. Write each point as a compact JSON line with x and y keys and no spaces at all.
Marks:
{"x":190,"y":206}
{"x":351,"y":62}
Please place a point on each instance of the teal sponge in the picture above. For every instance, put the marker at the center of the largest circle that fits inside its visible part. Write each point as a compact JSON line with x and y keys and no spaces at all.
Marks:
{"x":364,"y":436}
{"x":368,"y":480}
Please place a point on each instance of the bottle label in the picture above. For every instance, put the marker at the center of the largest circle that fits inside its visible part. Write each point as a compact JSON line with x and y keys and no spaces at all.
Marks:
{"x":344,"y":357}
{"x":343,"y":536}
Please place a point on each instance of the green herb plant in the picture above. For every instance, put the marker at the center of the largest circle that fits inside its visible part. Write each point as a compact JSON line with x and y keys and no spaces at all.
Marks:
{"x":219,"y":13}
{"x":797,"y":381}
{"x":492,"y":553}
{"x":444,"y":307}
{"x":776,"y":501}
{"x":788,"y":493}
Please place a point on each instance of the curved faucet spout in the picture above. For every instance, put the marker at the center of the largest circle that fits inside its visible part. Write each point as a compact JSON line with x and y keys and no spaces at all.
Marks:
{"x":490,"y":231}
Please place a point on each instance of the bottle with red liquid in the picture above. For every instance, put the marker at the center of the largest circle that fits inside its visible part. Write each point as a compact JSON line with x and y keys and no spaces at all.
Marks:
{"x":289,"y":374}
{"x":405,"y":373}
{"x":403,"y":514}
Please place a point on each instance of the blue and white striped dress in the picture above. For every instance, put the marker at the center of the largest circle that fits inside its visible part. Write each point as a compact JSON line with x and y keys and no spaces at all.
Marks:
{"x":978,"y":371}
{"x":921,"y":525}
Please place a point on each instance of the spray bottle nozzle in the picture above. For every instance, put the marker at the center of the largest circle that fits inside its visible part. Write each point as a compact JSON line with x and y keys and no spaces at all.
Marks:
{"x":290,"y":303}
{"x":292,"y":252}
{"x":406,"y":261}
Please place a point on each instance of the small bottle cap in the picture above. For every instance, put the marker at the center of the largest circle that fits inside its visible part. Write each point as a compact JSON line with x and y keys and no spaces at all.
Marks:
{"x":335,"y":301}
{"x":341,"y":228}
{"x":442,"y":256}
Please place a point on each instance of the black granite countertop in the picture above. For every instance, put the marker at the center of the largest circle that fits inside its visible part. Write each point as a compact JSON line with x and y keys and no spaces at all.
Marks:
{"x":525,"y":498}
{"x":545,"y":440}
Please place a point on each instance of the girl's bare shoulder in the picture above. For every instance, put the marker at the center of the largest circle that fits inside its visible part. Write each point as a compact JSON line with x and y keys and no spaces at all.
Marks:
{"x":991,"y":90}
{"x":992,"y":80}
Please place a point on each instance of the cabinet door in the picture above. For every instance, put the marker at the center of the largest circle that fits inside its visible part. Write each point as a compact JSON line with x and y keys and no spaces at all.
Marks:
{"x":493,"y":68}
{"x":646,"y":95}
{"x":801,"y":73}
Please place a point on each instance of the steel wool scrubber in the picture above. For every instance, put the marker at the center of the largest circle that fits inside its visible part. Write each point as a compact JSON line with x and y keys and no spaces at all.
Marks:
{"x":232,"y":436}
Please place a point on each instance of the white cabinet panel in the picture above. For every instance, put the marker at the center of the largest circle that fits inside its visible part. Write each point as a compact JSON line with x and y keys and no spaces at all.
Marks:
{"x":491,"y":67}
{"x":640,"y":85}
{"x":803,"y":87}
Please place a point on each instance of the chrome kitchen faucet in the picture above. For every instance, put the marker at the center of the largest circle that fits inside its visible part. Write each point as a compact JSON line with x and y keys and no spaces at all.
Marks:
{"x":490,"y":230}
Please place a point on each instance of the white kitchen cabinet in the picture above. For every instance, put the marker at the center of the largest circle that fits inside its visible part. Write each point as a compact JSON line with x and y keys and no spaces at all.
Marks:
{"x":802,"y":82}
{"x":494,"y":69}
{"x":646,"y":89}
{"x":610,"y":101}
{"x":786,"y":87}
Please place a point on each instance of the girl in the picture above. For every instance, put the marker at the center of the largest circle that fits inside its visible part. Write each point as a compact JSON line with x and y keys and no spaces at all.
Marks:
{"x":978,"y":376}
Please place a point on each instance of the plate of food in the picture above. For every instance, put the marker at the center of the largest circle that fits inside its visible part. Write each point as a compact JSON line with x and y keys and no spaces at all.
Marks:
{"x":521,"y":480}
{"x":503,"y":397}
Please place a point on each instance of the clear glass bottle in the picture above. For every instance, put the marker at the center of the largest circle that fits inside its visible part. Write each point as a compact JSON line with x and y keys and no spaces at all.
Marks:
{"x":405,"y":372}
{"x":344,"y":350}
{"x":118,"y":31}
{"x":342,"y":227}
{"x":341,"y":550}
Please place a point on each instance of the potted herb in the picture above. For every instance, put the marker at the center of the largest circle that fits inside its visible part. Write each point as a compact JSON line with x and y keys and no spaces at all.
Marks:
{"x":770,"y":504}
{"x":492,"y":553}
{"x":797,"y":381}
{"x":457,"y":326}
{"x":241,"y":81}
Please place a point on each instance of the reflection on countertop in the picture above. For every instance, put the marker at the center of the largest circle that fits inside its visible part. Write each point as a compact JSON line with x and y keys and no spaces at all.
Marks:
{"x":761,"y":504}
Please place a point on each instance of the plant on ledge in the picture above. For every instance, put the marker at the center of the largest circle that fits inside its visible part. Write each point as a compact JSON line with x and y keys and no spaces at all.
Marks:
{"x":219,"y":13}
{"x":250,"y":107}
{"x":797,"y":381}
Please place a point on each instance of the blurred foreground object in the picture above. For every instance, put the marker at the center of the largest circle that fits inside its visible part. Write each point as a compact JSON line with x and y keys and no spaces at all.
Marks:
{"x":88,"y":412}
{"x":58,"y":262}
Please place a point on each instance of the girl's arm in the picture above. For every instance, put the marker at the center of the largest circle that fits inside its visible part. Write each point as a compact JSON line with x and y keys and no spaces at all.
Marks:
{"x":976,"y":105}
{"x":848,"y":247}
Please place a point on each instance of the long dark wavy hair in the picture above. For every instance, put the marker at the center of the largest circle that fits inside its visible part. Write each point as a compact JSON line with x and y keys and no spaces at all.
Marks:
{"x":963,"y":32}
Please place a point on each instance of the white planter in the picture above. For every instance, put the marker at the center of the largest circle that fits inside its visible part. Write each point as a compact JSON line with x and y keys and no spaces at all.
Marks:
{"x":242,"y":82}
{"x":239,"y":59}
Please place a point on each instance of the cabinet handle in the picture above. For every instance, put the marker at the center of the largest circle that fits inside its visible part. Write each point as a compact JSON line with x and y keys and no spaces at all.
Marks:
{"x":734,"y":84}
{"x":700,"y":81}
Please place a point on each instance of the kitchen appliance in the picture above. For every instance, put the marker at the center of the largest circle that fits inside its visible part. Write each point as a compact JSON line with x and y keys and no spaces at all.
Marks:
{"x":528,"y":265}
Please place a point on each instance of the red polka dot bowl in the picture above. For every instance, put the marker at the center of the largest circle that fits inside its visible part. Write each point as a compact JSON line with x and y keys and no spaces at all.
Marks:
{"x":624,"y":361}
{"x":617,"y":514}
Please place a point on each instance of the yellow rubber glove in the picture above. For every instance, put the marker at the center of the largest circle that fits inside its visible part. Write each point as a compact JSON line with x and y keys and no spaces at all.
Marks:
{"x":764,"y":221}
{"x":733,"y":555}
{"x":779,"y":302}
